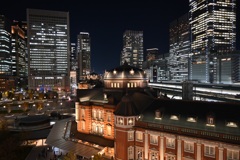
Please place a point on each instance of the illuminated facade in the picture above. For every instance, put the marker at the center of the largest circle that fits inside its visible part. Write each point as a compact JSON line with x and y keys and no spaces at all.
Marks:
{"x":73,"y":57}
{"x":49,"y":49}
{"x":6,"y":79}
{"x":73,"y":69}
{"x":132,"y":51}
{"x":135,"y":124}
{"x":179,"y":48}
{"x":84,"y":54}
{"x":152,"y":54}
{"x":5,"y":47}
{"x":19,"y":64}
{"x":213,"y":31}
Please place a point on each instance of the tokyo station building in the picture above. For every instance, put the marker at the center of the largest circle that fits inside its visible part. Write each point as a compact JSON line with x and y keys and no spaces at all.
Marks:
{"x":127,"y":120}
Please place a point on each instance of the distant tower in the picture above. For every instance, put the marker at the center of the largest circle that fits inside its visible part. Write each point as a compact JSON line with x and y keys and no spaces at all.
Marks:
{"x":152,"y":54}
{"x":49,"y":49}
{"x":84,"y":54}
{"x":5,"y":47}
{"x":213,"y":32}
{"x":19,"y":65}
{"x":73,"y":68}
{"x":6,"y":79}
{"x":132,"y":48}
{"x":179,"y":49}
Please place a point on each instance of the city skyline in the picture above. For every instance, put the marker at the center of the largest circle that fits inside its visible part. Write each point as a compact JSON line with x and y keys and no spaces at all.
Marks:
{"x":107,"y":21}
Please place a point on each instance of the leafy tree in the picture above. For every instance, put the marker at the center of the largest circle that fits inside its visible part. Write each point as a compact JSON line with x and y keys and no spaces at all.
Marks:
{"x":20,"y":96}
{"x":98,"y":157}
{"x":25,"y":106}
{"x":70,"y":156}
{"x":39,"y":106}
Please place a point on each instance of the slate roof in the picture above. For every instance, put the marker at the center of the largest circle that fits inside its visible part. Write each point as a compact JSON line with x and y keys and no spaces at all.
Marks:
{"x":223,"y":112}
{"x":126,"y":107}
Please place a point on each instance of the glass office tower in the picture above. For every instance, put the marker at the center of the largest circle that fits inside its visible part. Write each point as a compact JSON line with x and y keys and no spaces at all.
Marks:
{"x":84,"y":54}
{"x":49,"y":50}
{"x":179,"y":48}
{"x":5,"y":47}
{"x":132,"y":51}
{"x":213,"y":32}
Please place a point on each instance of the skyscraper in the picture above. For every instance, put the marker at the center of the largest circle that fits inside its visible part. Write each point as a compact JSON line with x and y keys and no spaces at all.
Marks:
{"x":213,"y":32}
{"x":49,"y":49}
{"x":84,"y":54}
{"x":132,"y":51}
{"x":6,"y":79}
{"x":179,"y":49}
{"x":5,"y":47}
{"x":19,"y":64}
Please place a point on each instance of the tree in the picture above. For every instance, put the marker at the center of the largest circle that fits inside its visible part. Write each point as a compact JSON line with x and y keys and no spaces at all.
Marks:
{"x":39,"y":106}
{"x":70,"y":156}
{"x":40,"y":96}
{"x":98,"y":157}
{"x":25,"y":106}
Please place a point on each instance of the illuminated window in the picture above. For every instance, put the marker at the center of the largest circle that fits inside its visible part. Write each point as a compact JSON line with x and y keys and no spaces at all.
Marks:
{"x":170,"y":157}
{"x":83,"y":112}
{"x":100,"y":115}
{"x":130,"y":136}
{"x":170,"y":143}
{"x":191,"y":119}
{"x":130,"y":121}
{"x":154,"y":155}
{"x":209,"y":151}
{"x":158,"y":114}
{"x":174,"y":117}
{"x":139,"y":154}
{"x":101,"y":127}
{"x":94,"y":114}
{"x":139,"y":136}
{"x":189,"y":147}
{"x":131,"y":71}
{"x":109,"y":117}
{"x":153,"y":139}
{"x":105,"y":96}
{"x":130,"y":153}
{"x":232,"y":155}
{"x":120,"y":121}
{"x":231,"y":124}
{"x":109,"y":130}
{"x":210,"y":121}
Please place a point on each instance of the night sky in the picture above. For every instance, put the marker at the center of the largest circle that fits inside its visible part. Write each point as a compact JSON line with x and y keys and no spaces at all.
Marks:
{"x":107,"y":20}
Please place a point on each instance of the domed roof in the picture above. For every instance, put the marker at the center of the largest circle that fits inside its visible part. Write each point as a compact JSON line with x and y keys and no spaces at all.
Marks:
{"x":125,"y":71}
{"x":126,"y":107}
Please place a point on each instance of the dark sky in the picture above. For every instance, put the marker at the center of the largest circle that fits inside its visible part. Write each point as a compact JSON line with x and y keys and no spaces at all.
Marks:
{"x":107,"y":20}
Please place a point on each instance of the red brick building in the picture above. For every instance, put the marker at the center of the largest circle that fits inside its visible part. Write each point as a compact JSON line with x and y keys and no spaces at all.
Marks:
{"x":127,"y":121}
